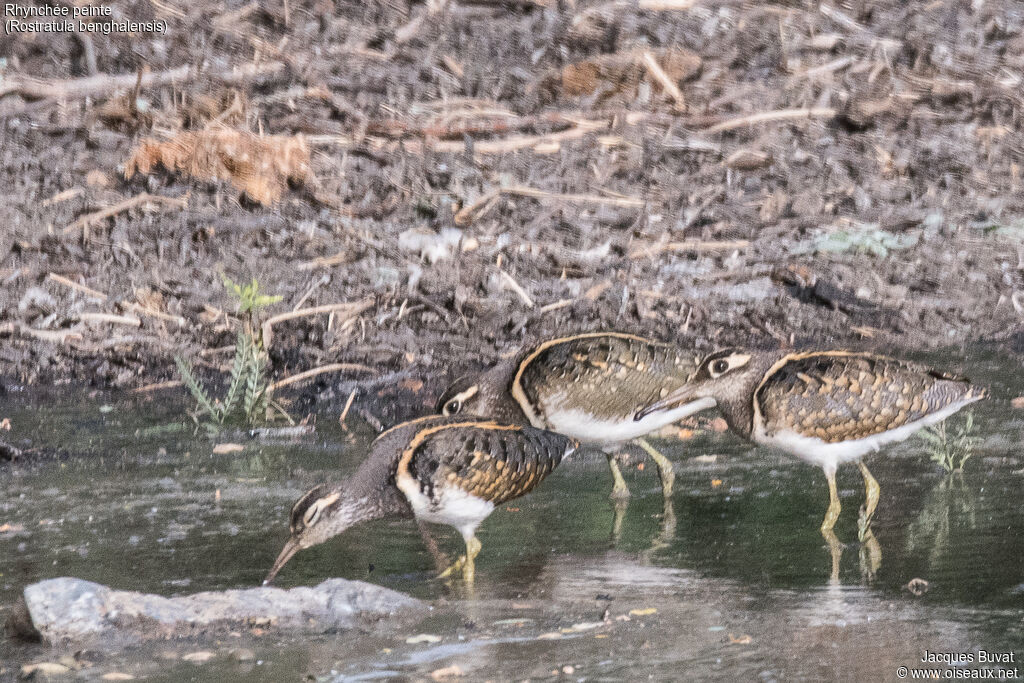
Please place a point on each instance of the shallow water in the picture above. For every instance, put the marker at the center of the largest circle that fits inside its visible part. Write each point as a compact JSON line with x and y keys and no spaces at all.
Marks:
{"x":737,"y":574}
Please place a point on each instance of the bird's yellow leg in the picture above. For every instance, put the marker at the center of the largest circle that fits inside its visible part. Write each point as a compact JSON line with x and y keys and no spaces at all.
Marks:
{"x":473,"y":546}
{"x":867,"y":511}
{"x":834,"y":507}
{"x":465,"y":563}
{"x":665,"y":471}
{"x":835,"y":548}
{"x":619,"y":490}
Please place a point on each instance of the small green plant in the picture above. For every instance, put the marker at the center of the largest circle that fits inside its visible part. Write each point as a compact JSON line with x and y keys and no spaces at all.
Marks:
{"x":949,"y":448}
{"x":869,"y":239}
{"x":247,"y":395}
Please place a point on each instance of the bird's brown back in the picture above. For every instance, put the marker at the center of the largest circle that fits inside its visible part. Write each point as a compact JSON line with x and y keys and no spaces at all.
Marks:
{"x":607,"y":375}
{"x":492,"y":461}
{"x":840,"y":396}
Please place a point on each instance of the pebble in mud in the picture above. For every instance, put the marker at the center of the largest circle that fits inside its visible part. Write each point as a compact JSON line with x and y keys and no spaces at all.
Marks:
{"x":241,"y":654}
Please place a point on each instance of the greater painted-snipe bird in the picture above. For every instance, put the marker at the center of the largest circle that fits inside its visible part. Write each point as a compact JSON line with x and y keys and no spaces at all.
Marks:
{"x":825,"y":407}
{"x":444,"y":470}
{"x":588,"y":387}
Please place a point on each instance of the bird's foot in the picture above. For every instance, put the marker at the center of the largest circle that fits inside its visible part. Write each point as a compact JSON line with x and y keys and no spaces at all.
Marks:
{"x":454,"y":568}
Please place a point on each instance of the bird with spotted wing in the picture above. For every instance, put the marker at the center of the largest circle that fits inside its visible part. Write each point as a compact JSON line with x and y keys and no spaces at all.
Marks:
{"x":445,"y":470}
{"x":587,"y":386}
{"x":825,"y":407}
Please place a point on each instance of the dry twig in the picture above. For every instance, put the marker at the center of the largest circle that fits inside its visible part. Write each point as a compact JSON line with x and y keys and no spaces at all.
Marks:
{"x":83,"y":222}
{"x":88,"y":291}
{"x":663,"y":80}
{"x":96,"y":317}
{"x":694,"y":246}
{"x":314,"y":372}
{"x":347,"y":310}
{"x":767,"y":116}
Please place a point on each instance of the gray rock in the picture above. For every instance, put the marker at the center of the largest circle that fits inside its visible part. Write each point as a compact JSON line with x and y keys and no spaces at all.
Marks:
{"x":72,"y":609}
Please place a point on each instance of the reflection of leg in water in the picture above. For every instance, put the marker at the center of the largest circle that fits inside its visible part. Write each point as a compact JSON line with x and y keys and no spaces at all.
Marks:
{"x":440,"y":559}
{"x":835,"y":549}
{"x":666,"y":531}
{"x":619,"y":508}
{"x":867,"y":511}
{"x":870,"y":556}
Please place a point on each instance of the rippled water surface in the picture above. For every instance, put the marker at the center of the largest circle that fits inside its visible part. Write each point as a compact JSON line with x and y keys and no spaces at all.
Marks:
{"x":734,"y":581}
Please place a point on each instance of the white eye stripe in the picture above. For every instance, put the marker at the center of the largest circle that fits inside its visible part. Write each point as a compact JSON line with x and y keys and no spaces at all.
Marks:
{"x":464,"y":396}
{"x":732,"y":362}
{"x":313,"y":513}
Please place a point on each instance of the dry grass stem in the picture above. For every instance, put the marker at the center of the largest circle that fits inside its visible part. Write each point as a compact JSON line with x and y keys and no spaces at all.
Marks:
{"x":347,"y":311}
{"x":314,"y":372}
{"x":83,"y":222}
{"x":768,"y":116}
{"x":170,"y":384}
{"x":663,"y":80}
{"x":348,"y":407}
{"x":132,"y":321}
{"x":88,"y":291}
{"x":693,"y":246}
{"x":510,"y":283}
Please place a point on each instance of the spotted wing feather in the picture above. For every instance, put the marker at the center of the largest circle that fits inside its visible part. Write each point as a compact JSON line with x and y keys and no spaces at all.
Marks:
{"x":838,"y":397}
{"x":495,"y":464}
{"x":606,"y":375}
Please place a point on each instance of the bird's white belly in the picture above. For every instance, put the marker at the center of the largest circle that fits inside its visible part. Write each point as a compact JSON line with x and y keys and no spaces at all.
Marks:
{"x":589,"y":429}
{"x":828,"y":456}
{"x":453,"y":506}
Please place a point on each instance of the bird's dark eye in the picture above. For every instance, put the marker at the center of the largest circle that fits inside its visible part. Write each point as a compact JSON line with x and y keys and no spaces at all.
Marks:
{"x":452,"y":407}
{"x":719,"y":366}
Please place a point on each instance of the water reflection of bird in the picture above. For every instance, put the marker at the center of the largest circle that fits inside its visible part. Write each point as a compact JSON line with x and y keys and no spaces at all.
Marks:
{"x":587,"y":386}
{"x":825,"y":407}
{"x":443,"y":470}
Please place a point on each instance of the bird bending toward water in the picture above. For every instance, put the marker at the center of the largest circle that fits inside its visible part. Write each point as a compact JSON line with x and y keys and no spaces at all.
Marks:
{"x":825,"y":407}
{"x":443,"y":470}
{"x":588,"y":387}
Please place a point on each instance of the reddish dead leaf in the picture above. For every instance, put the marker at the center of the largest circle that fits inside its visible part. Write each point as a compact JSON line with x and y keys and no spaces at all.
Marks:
{"x":413,"y":385}
{"x":743,"y":639}
{"x":620,"y":73}
{"x":715,"y":483}
{"x":685,"y":434}
{"x":259,"y":166}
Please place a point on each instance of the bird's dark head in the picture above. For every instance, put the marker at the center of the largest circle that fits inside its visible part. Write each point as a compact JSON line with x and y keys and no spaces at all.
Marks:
{"x":320,"y":514}
{"x":484,"y":395}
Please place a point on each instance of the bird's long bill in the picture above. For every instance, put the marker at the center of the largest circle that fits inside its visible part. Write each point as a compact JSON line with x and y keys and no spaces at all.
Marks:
{"x":673,"y":400}
{"x":290,"y":548}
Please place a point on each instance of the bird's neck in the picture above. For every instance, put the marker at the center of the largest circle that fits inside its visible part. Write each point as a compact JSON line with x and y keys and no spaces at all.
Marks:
{"x":739,"y":415}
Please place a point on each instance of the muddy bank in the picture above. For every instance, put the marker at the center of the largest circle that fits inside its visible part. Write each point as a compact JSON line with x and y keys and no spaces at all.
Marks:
{"x":529,"y":180}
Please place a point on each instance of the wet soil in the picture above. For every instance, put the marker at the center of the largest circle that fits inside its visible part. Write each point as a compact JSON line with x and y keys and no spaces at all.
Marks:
{"x":888,"y":215}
